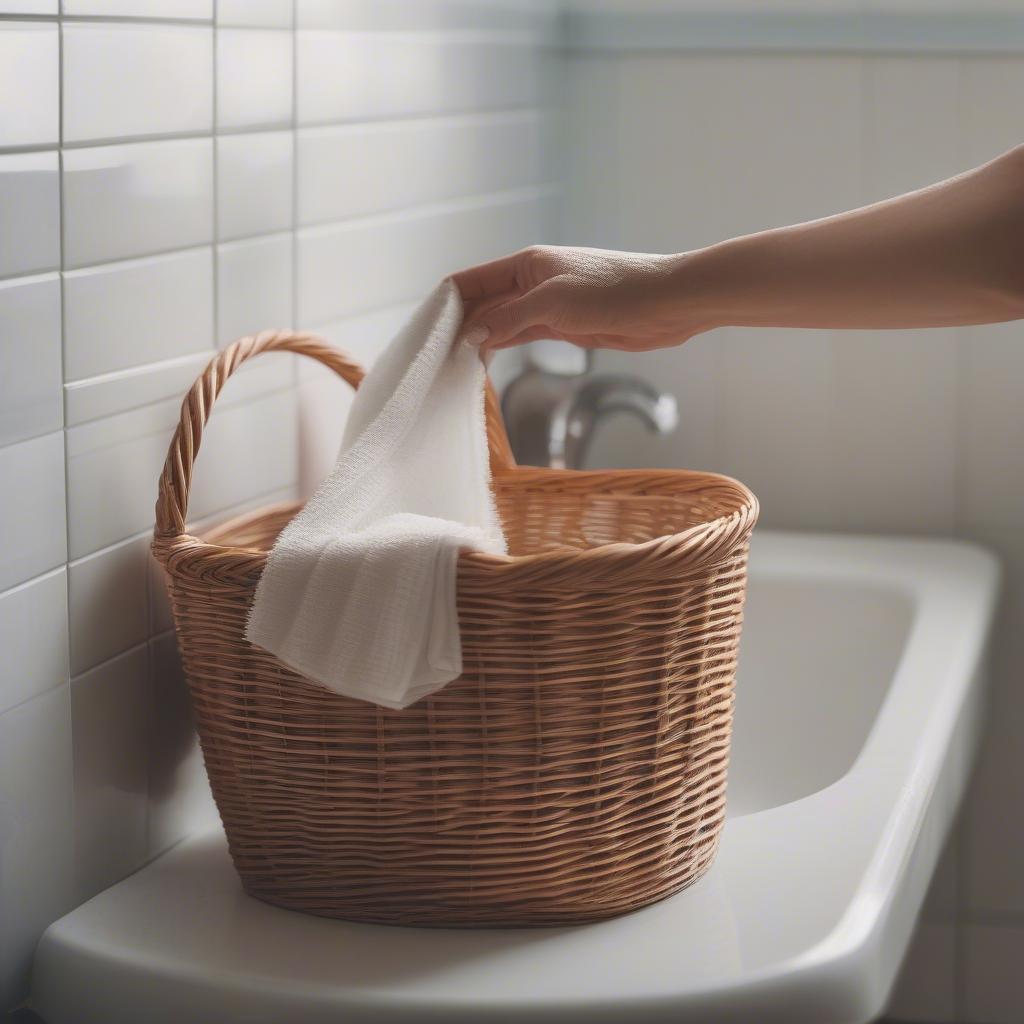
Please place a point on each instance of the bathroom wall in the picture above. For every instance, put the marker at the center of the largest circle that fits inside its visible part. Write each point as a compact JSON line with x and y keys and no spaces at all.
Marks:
{"x":175,"y":173}
{"x":692,"y":125}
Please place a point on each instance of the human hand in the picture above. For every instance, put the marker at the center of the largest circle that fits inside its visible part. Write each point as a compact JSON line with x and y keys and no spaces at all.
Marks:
{"x":594,"y":298}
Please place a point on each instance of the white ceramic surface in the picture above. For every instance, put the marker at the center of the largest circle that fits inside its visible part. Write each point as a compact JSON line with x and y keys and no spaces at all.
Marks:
{"x":28,"y":6}
{"x":122,"y":315}
{"x":108,"y":602}
{"x":112,"y":468}
{"x":344,"y":76}
{"x":262,"y":13}
{"x":254,"y":78}
{"x":114,"y":463}
{"x":357,"y":169}
{"x":32,"y":515}
{"x":254,"y":184}
{"x":128,"y":80}
{"x":113,"y":393}
{"x":365,"y":264}
{"x":859,"y":702}
{"x":254,"y":286}
{"x":34,"y":638}
{"x":199,"y":9}
{"x":37,"y":876}
{"x":29,"y":213}
{"x":992,"y":485}
{"x":992,"y":883}
{"x":157,"y":191}
{"x":30,"y":358}
{"x":112,"y":722}
{"x":417,"y":15}
{"x":28,"y":84}
{"x":136,"y":199}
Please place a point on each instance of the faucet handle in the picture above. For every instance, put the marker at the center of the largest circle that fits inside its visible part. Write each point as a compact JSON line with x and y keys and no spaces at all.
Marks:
{"x":560,"y":358}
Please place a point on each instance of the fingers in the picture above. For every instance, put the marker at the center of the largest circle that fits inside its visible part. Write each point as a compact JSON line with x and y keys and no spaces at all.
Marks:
{"x":539,"y":333}
{"x":504,"y":321}
{"x":477,"y":309}
{"x":487,"y":279}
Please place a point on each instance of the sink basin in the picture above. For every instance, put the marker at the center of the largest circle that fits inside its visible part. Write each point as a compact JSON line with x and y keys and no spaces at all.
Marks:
{"x":859,"y":702}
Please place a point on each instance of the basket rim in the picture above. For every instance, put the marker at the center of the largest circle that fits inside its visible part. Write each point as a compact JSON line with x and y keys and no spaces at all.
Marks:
{"x":698,"y":544}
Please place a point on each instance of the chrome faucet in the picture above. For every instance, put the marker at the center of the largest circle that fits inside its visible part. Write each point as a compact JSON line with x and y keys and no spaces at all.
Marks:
{"x":551,"y":416}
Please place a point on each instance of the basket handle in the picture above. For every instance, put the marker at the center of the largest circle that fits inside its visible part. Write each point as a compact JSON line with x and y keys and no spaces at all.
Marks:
{"x":176,"y":477}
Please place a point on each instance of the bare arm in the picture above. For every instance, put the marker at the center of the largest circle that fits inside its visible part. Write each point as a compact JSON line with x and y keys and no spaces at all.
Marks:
{"x":949,"y":254}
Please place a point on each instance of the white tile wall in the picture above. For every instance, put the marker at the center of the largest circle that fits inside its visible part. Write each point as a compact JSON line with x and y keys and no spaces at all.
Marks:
{"x":122,"y":201}
{"x":112,"y":722}
{"x":34,"y":638}
{"x":532,"y":16}
{"x":359,"y":169}
{"x":120,"y":315}
{"x":911,"y":431}
{"x":254,"y":286}
{"x":254,"y":78}
{"x":28,"y":7}
{"x":359,"y":265}
{"x":250,"y":449}
{"x":30,"y":357}
{"x":149,"y":184}
{"x":29,"y":84}
{"x":991,"y":359}
{"x":129,"y":80}
{"x":108,"y":603}
{"x":198,"y":9}
{"x":97,"y":397}
{"x":261,"y":13}
{"x":254,"y":184}
{"x":37,"y":881}
{"x":994,"y":850}
{"x":32,"y":519}
{"x":238,"y":221}
{"x":29,"y":212}
{"x":345,"y":75}
{"x":112,"y":467}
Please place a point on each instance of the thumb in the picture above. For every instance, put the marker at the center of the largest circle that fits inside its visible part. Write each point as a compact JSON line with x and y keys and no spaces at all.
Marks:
{"x":507,"y":320}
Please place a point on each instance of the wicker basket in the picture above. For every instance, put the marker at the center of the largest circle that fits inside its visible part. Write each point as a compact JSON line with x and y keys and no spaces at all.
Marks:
{"x":577,"y":768}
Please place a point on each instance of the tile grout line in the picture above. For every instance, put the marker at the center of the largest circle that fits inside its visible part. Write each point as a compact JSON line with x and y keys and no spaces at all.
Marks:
{"x":63,"y":331}
{"x":295,"y":177}
{"x":214,"y":199}
{"x":296,"y":382}
{"x":73,"y":828}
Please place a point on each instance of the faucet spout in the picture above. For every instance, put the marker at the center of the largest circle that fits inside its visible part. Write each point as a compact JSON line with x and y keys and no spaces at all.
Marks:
{"x":574,"y":422}
{"x":551,"y":417}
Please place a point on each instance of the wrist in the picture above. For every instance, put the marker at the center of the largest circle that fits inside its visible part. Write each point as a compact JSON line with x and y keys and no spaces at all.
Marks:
{"x":699,"y":290}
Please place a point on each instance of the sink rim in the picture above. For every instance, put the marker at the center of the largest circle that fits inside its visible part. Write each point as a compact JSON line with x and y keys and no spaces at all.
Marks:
{"x":896,"y":802}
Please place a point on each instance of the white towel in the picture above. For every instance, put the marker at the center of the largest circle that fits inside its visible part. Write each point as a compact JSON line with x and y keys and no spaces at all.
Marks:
{"x":359,"y":590}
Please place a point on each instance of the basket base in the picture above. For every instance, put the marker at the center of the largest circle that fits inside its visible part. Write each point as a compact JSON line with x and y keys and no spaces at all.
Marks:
{"x":402,"y":911}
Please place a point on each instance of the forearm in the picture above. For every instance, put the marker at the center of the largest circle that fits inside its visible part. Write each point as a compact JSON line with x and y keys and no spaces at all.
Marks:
{"x":949,"y":254}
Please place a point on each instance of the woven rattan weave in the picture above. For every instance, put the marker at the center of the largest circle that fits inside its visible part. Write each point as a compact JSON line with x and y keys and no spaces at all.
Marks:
{"x":577,"y":768}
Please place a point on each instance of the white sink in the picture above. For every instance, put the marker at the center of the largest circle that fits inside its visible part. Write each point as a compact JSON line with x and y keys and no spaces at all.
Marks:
{"x":859,"y":702}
